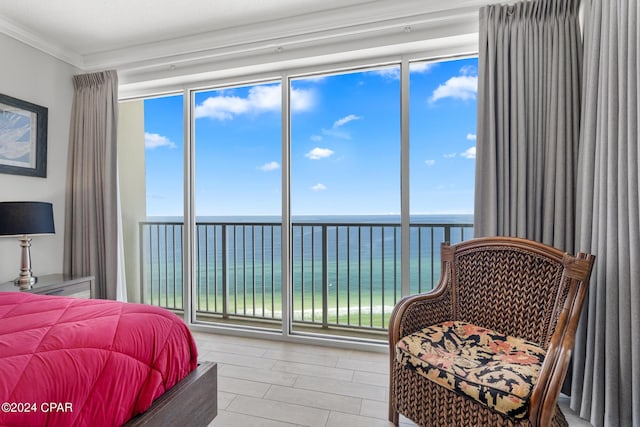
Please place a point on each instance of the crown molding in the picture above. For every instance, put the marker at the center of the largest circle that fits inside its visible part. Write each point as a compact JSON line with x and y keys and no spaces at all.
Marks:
{"x":386,"y":22}
{"x":320,"y":28}
{"x":27,"y":37}
{"x":431,"y":42}
{"x":264,"y":67}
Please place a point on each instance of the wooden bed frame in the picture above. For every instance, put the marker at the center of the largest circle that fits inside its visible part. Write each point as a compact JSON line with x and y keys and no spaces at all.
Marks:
{"x":193,"y":401}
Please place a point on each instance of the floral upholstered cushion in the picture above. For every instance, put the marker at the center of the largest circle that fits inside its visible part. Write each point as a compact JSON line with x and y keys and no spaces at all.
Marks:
{"x":494,"y":369}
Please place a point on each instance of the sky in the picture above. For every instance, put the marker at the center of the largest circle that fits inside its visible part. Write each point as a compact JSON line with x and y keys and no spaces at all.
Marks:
{"x":345,"y":145}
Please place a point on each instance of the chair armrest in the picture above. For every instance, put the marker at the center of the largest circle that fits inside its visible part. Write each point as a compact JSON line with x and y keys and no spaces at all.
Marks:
{"x":415,"y":312}
{"x":546,"y":391}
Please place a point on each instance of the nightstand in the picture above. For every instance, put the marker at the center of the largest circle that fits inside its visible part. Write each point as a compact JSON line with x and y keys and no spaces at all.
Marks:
{"x":57,"y":284}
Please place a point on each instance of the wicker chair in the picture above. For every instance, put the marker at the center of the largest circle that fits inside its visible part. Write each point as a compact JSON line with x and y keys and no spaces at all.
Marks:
{"x":517,"y":290}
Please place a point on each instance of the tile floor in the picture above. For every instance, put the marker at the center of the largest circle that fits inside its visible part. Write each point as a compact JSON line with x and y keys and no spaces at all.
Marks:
{"x":265,"y":383}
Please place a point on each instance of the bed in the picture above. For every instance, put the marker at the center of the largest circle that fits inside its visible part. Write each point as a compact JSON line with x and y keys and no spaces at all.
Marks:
{"x":79,"y":362}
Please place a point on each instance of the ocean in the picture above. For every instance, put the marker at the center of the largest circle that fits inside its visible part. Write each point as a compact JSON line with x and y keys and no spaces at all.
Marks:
{"x":346,"y":219}
{"x":345,"y":268}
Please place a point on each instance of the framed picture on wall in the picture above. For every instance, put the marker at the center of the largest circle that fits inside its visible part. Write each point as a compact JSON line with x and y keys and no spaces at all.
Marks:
{"x":23,"y":137}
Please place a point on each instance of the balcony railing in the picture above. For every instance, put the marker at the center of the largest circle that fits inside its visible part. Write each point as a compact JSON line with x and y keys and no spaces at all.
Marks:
{"x":344,"y":275}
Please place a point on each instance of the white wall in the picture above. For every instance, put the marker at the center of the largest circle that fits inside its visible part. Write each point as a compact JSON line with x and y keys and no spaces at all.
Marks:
{"x":131,"y":170}
{"x":29,"y":74}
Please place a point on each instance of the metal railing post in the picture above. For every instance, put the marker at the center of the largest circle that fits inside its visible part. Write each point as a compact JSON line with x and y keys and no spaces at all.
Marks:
{"x":225,"y":273}
{"x":447,"y":233}
{"x":325,"y":279}
{"x":143,"y":284}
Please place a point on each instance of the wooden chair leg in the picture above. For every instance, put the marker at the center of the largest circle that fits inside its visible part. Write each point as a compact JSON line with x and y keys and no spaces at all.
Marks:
{"x":393,"y":414}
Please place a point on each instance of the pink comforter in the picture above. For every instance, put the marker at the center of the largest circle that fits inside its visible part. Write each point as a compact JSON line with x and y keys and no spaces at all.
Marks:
{"x":78,"y":362}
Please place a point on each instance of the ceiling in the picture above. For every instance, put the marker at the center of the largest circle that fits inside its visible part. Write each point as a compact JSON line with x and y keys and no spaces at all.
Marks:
{"x":149,"y":39}
{"x":91,"y":26}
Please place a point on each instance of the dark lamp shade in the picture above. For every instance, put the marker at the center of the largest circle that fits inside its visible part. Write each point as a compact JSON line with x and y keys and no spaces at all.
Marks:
{"x":25,"y":218}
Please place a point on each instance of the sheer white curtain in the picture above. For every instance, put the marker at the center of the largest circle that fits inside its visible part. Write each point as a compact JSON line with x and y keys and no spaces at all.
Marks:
{"x":93,"y":235}
{"x":606,"y":386}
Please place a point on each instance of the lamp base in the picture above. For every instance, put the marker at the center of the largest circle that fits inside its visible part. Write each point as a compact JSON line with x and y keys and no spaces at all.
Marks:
{"x":25,"y":282}
{"x":26,"y":279}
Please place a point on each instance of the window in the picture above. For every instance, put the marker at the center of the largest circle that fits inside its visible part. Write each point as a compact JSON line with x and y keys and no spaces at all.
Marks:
{"x":442,"y":162}
{"x":238,"y":203}
{"x":345,"y":198}
{"x":342,"y":172}
{"x":161,"y":225}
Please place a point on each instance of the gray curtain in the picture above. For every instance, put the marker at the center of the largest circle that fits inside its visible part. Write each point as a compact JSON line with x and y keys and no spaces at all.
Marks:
{"x":606,"y":386}
{"x":530,"y":57}
{"x":91,"y":223}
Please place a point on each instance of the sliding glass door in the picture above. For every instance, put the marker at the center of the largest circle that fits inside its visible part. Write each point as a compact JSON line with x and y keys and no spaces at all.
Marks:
{"x":442,"y":158}
{"x":345,"y":201}
{"x":349,"y":159}
{"x":237,"y":195}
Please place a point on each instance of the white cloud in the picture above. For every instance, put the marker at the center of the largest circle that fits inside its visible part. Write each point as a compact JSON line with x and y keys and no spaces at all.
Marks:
{"x":319,"y":187}
{"x":336,"y":133}
{"x":469,"y":153}
{"x":449,"y":155}
{"x":260,"y":99}
{"x":391,"y":73}
{"x":345,"y":120}
{"x":222,"y":107}
{"x":154,"y":140}
{"x":471,"y":136}
{"x":319,"y":153}
{"x":430,"y":162}
{"x":336,"y":130}
{"x":469,"y":70}
{"x":459,"y":87}
{"x":301,"y":99}
{"x":420,"y":67}
{"x":314,"y":79}
{"x":268,"y":167}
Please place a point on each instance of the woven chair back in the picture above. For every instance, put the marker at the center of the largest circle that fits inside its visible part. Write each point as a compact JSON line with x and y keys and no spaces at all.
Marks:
{"x":511,"y":289}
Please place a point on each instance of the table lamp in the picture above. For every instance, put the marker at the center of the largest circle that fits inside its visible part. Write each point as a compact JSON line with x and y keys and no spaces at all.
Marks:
{"x":26,"y":219}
